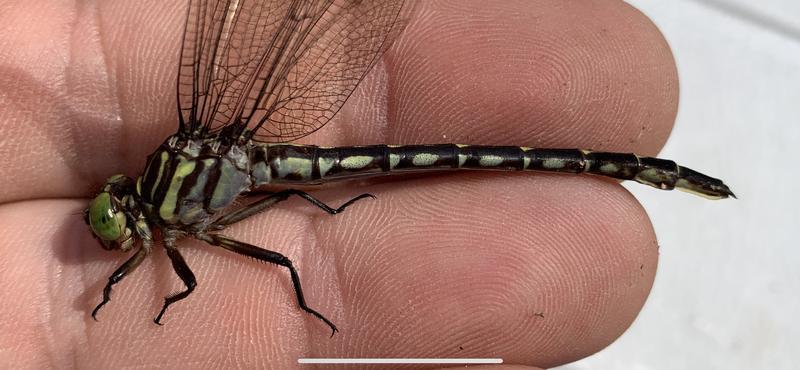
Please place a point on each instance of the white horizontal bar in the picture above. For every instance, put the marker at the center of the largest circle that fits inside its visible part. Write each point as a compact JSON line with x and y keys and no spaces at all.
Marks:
{"x":400,"y":360}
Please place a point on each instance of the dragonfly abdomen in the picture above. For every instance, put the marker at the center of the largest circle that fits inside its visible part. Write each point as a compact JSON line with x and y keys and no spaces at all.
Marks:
{"x":308,"y":164}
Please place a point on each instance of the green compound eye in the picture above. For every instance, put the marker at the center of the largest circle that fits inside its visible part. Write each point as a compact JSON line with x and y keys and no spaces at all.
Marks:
{"x":104,"y":222}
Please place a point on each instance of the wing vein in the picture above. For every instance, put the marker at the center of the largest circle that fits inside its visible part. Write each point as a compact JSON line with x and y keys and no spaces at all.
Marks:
{"x":276,"y":71}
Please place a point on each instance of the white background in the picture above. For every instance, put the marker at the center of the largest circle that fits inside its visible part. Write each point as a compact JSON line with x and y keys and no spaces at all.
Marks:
{"x":727,"y":291}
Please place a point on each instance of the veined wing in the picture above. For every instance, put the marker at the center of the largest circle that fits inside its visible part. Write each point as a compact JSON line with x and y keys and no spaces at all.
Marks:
{"x":276,"y":71}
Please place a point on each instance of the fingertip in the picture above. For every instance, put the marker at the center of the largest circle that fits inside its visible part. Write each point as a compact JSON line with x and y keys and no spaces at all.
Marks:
{"x":596,"y":75}
{"x":543,"y":270}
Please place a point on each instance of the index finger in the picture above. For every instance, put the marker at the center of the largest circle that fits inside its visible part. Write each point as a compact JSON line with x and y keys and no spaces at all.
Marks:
{"x":538,"y":74}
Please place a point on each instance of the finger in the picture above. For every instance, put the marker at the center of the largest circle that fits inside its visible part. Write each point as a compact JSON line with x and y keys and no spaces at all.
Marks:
{"x":603,"y":110}
{"x":87,"y":92}
{"x":549,"y":74}
{"x":542,"y":74}
{"x":521,"y":268}
{"x":436,"y":282}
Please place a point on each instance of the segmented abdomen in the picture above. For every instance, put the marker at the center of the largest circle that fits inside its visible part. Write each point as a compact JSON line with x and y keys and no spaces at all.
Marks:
{"x":293,"y":164}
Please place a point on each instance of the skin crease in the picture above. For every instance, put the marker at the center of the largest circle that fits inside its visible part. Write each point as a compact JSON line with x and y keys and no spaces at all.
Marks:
{"x":540,"y":270}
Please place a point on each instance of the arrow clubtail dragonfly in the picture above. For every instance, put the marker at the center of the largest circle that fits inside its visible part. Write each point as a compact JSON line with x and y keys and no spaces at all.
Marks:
{"x":255,"y":75}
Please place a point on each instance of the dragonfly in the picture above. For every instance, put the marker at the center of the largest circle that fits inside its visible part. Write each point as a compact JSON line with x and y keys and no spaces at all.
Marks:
{"x":253,"y":76}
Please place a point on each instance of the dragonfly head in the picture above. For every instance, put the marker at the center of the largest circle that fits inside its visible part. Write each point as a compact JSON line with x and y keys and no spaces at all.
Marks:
{"x":109,"y":214}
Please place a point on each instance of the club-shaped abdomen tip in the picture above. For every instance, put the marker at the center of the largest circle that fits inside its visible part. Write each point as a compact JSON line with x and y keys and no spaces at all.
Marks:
{"x":697,"y":183}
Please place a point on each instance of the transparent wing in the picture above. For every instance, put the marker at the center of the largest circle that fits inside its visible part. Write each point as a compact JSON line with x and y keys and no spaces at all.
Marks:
{"x":276,"y":71}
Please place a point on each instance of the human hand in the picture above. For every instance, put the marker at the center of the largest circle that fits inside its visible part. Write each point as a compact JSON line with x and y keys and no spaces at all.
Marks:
{"x":540,"y":270}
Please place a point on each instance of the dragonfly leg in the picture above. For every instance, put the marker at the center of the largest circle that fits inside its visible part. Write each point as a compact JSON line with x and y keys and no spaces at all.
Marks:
{"x":184,"y":273}
{"x":122,"y":271}
{"x":270,"y":257}
{"x":274,"y":198}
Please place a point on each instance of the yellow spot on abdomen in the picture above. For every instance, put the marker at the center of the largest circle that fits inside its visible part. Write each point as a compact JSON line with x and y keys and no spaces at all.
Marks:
{"x":424,"y":159}
{"x":301,"y":167}
{"x":609,"y":168}
{"x":462,"y":158}
{"x":554,"y":164}
{"x":394,"y":160}
{"x":490,"y":160}
{"x":325,"y":165}
{"x":355,"y":162}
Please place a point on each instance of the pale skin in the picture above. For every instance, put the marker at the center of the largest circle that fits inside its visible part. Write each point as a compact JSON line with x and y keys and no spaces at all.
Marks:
{"x":541,"y":270}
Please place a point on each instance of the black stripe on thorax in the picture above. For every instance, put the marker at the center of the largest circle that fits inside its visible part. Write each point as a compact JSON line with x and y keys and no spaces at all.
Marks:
{"x":167,"y":171}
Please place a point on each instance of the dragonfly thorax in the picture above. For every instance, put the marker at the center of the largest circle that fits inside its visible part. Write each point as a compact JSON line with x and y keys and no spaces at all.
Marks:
{"x":187,"y":181}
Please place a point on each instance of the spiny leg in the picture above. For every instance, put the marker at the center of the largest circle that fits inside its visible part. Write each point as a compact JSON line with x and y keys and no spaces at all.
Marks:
{"x":183,"y":271}
{"x":122,"y":271}
{"x":266,"y":256}
{"x":272,"y":199}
